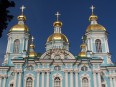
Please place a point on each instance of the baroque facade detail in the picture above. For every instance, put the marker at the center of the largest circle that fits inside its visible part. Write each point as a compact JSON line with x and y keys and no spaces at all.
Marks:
{"x":57,"y":67}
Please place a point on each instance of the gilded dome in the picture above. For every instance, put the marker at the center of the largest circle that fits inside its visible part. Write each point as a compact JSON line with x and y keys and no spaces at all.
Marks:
{"x":57,"y":36}
{"x":82,"y":54}
{"x":57,"y":24}
{"x":93,"y":17}
{"x":83,"y":45}
{"x":32,"y":54}
{"x":95,"y":27}
{"x":19,"y":27}
{"x":21,"y":17}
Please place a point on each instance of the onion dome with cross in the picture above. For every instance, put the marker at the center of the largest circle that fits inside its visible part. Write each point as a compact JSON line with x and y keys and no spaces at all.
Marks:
{"x":94,"y":26}
{"x":21,"y":22}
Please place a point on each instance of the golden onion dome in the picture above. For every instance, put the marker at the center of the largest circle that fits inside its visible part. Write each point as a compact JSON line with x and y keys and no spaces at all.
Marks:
{"x":32,"y":46}
{"x":95,"y":27}
{"x":21,"y":17}
{"x":57,"y":36}
{"x":83,"y":45}
{"x":19,"y":27}
{"x":82,"y":54}
{"x":32,"y":54}
{"x":93,"y":17}
{"x":57,"y":24}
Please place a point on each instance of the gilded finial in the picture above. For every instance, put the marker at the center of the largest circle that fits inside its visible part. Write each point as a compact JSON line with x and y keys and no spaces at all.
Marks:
{"x":57,"y":15}
{"x":22,"y":17}
{"x":92,"y":8}
{"x":22,"y":9}
{"x":93,"y":17}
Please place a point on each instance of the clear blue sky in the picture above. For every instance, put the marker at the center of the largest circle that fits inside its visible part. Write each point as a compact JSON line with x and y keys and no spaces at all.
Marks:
{"x":74,"y":15}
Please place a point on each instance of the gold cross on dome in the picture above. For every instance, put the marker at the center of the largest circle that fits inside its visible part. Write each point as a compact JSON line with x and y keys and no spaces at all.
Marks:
{"x":22,"y":8}
{"x":57,"y":15}
{"x":92,"y":8}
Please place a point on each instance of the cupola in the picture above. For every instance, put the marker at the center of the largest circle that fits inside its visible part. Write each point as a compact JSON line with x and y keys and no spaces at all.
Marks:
{"x":20,"y":27}
{"x":94,"y":26}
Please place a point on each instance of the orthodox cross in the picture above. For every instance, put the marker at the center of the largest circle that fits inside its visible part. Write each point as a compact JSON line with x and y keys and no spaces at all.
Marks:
{"x":57,"y":15}
{"x":92,"y":8}
{"x":22,"y":8}
{"x":32,"y":39}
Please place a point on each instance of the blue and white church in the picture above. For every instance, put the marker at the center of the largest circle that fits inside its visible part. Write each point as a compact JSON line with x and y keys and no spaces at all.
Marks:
{"x":57,"y":66}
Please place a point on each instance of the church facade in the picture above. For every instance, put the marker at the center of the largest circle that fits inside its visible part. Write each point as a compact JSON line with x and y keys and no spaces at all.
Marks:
{"x":57,"y":66}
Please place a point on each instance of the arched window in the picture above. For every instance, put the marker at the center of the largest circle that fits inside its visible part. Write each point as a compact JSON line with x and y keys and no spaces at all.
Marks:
{"x":85,"y":82}
{"x":11,"y":85}
{"x":16,"y":46}
{"x":98,"y":45}
{"x":29,"y":82}
{"x":57,"y":82}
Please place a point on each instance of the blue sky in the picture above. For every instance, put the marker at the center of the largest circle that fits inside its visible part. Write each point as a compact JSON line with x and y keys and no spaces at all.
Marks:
{"x":74,"y":15}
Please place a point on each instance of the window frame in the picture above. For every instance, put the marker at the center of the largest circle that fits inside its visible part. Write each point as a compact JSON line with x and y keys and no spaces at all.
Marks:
{"x":16,"y":46}
{"x":98,"y":45}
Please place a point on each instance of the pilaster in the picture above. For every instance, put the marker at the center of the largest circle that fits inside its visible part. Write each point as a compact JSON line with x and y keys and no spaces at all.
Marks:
{"x":66,"y":79}
{"x":47,"y":82}
{"x":43,"y":79}
{"x":76,"y":78}
{"x":0,"y":81}
{"x":71,"y":79}
{"x":37,"y":82}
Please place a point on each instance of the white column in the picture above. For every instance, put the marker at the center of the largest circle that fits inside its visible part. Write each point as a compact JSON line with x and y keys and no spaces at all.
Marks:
{"x":114,"y":81}
{"x":91,"y":44}
{"x":19,"y":82}
{"x":42,"y":79}
{"x":0,"y":81}
{"x":107,"y":45}
{"x":26,"y":44}
{"x":66,"y":79}
{"x":37,"y":82}
{"x":99,"y":79}
{"x":71,"y":79}
{"x":4,"y":82}
{"x":76,"y":79}
{"x":47,"y":83}
{"x":9,"y":44}
{"x":15,"y":79}
{"x":111,"y":82}
{"x":94,"y":77}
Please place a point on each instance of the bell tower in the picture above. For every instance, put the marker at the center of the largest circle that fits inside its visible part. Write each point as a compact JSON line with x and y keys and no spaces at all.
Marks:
{"x":97,"y":39}
{"x":18,"y":40}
